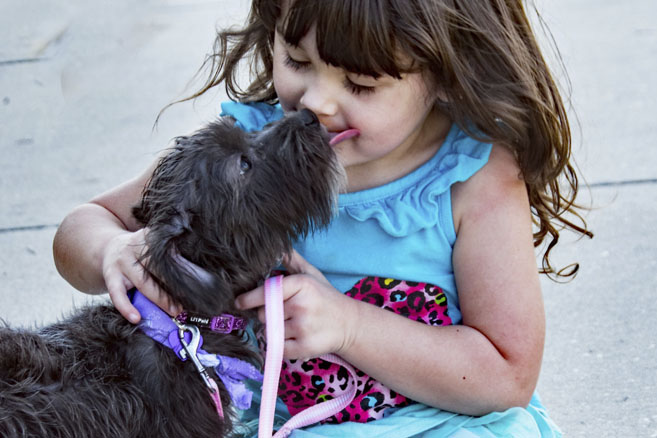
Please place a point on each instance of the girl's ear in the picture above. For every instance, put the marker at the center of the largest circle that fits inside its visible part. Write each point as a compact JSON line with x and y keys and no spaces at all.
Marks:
{"x":436,"y":91}
{"x":440,"y":94}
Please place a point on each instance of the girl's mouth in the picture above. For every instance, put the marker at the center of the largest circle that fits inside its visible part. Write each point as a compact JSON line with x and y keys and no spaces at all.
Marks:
{"x":337,"y":137}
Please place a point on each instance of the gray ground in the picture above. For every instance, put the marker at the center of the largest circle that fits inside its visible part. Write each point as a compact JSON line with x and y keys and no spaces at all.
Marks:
{"x":82,"y":82}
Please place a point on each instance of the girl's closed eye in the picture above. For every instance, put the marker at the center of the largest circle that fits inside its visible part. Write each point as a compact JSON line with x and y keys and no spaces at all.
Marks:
{"x":353,"y":87}
{"x":295,"y":64}
{"x":357,"y":89}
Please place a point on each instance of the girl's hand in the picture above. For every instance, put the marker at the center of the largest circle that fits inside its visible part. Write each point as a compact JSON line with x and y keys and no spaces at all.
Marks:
{"x":318,"y":318}
{"x":122,"y":271}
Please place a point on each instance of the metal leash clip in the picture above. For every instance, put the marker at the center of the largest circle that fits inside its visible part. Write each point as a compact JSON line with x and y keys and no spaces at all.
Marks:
{"x":190,"y":350}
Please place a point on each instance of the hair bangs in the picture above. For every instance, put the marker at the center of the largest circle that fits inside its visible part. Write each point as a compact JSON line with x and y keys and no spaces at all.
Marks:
{"x":356,"y":35}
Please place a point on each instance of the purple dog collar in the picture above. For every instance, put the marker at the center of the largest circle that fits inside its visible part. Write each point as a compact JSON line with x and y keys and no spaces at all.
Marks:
{"x":224,"y":323}
{"x":232,"y":371}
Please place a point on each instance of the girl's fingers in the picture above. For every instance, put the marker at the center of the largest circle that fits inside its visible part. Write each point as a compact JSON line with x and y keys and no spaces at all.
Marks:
{"x":118,"y":287}
{"x":145,"y":283}
{"x":118,"y":294}
{"x":296,"y":264}
{"x":291,"y":350}
{"x":294,"y":349}
{"x":261,"y":314}
{"x":151,"y":290}
{"x":292,"y":284}
{"x":123,"y":270}
{"x":117,"y":272}
{"x":252,"y":299}
{"x":256,"y":298}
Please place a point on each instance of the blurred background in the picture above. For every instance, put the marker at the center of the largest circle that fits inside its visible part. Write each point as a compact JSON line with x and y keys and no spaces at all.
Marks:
{"x":82,"y":82}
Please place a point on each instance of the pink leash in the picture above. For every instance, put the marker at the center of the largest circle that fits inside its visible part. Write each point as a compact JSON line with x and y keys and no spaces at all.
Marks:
{"x":275,"y":334}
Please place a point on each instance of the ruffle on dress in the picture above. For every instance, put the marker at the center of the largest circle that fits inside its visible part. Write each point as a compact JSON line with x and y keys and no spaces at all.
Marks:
{"x":414,"y":202}
{"x":251,"y":116}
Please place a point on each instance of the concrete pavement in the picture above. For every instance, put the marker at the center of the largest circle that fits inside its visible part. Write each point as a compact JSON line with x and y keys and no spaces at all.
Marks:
{"x":82,"y":82}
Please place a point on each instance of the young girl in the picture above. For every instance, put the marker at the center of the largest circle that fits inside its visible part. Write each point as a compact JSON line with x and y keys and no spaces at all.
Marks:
{"x":455,"y":141}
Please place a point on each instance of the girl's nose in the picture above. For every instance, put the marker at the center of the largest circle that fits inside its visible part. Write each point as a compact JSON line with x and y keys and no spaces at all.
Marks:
{"x":319,"y":99}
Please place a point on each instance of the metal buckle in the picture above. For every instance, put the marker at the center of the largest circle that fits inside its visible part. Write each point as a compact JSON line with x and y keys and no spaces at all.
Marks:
{"x":190,"y":350}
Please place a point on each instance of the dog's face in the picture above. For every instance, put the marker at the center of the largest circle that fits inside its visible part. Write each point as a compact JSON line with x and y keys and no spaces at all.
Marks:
{"x":224,"y":206}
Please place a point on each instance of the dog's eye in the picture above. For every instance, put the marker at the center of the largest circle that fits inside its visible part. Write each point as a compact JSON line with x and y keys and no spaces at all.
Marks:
{"x":245,"y":165}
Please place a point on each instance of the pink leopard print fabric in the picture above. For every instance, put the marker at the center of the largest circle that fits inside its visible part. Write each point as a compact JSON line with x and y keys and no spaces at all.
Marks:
{"x":304,"y":384}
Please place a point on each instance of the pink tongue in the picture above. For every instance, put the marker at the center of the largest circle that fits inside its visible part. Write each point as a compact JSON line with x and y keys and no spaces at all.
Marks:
{"x":344,"y":135}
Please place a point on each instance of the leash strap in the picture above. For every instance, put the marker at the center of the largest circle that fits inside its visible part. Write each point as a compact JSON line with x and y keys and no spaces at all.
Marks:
{"x":275,"y":335}
{"x":324,"y":409}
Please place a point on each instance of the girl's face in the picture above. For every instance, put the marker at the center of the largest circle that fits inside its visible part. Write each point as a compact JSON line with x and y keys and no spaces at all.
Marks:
{"x":399,"y":127}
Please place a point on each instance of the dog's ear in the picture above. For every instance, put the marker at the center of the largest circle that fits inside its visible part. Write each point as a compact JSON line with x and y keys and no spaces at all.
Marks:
{"x":186,"y":283}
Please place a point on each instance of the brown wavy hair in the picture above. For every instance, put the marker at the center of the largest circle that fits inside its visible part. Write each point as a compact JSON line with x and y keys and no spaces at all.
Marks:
{"x":482,"y":54}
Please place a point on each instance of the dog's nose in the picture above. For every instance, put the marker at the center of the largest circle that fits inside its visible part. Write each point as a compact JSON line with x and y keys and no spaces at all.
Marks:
{"x":308,"y":117}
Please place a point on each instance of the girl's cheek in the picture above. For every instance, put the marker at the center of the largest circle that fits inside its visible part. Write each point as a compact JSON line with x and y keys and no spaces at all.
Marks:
{"x":286,"y":103}
{"x":285,"y":92}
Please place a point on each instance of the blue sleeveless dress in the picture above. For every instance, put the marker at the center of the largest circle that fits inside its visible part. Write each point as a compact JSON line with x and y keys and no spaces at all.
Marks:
{"x":401,"y":230}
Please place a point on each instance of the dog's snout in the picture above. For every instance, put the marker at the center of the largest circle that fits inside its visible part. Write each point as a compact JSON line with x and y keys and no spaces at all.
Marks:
{"x":308,"y":117}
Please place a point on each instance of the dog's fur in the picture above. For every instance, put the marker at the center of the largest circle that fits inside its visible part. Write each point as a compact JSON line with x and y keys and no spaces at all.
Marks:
{"x":222,"y":208}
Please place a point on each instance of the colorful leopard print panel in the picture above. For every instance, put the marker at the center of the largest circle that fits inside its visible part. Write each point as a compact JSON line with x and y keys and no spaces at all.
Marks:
{"x":304,"y":384}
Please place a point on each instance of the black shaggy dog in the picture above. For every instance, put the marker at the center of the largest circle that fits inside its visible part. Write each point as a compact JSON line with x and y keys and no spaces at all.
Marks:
{"x":222,"y":208}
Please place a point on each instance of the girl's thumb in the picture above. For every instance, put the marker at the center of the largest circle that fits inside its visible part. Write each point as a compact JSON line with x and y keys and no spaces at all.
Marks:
{"x":295,"y":264}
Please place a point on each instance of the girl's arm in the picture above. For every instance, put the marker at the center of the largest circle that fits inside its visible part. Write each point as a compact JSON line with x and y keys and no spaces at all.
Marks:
{"x":492,"y":361}
{"x":489,"y":363}
{"x":97,"y":245}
